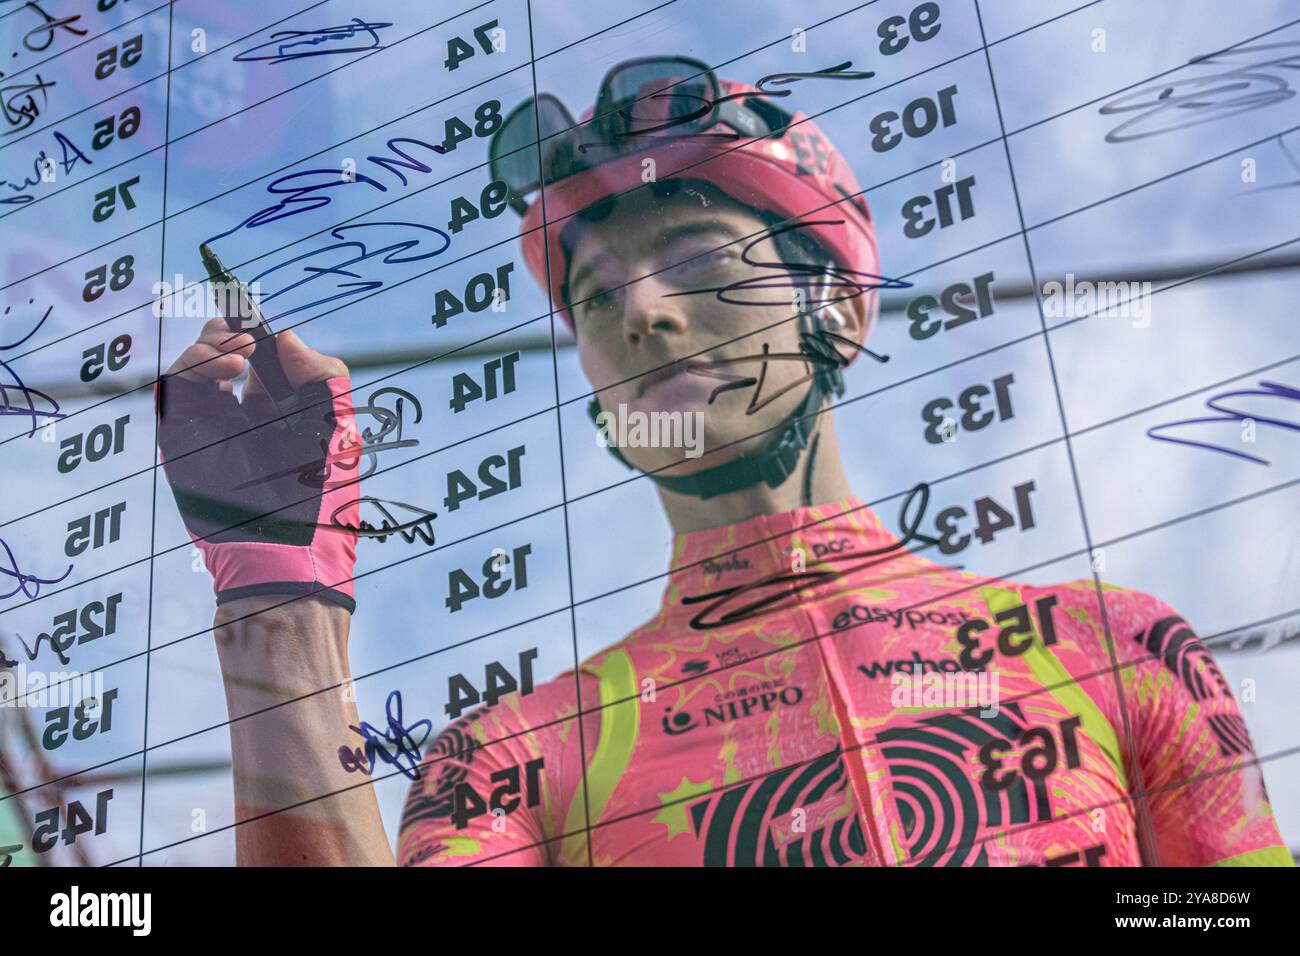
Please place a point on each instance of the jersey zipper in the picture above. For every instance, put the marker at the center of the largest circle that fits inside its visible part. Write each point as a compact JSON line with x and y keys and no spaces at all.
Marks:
{"x":852,"y":753}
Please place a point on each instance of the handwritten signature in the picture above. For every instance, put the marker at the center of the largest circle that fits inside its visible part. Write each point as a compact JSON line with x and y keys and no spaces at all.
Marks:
{"x":43,"y":166}
{"x":348,"y":457}
{"x":1214,"y":403}
{"x":398,"y":736}
{"x":788,"y":585}
{"x":313,"y":270}
{"x":20,"y":113}
{"x":1172,"y":105}
{"x":49,"y":26}
{"x":420,"y":527}
{"x":28,"y":395}
{"x":312,"y":38}
{"x":28,"y":584}
{"x":303,"y":190}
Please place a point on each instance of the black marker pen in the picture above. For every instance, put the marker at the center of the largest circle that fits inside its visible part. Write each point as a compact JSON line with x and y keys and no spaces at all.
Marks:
{"x":247,"y":317}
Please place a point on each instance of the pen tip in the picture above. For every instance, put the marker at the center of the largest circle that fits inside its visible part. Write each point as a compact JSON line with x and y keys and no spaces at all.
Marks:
{"x":205,"y":251}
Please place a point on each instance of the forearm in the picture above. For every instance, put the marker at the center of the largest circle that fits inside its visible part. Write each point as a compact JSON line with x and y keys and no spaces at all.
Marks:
{"x":287,"y":755}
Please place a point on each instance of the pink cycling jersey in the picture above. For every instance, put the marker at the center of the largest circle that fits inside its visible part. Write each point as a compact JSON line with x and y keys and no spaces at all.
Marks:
{"x":811,"y":693}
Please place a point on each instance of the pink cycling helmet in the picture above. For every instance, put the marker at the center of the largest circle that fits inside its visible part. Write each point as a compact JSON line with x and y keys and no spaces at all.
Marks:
{"x":769,"y":160}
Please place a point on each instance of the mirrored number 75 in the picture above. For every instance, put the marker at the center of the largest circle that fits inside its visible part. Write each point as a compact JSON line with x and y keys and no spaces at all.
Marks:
{"x":106,"y":201}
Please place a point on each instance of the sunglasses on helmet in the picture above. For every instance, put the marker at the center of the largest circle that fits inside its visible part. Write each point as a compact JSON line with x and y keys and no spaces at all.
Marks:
{"x":684,"y":94}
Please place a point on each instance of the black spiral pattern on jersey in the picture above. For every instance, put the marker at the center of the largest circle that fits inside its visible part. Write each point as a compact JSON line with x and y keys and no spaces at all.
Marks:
{"x":451,"y":756}
{"x":1172,"y":641}
{"x":942,"y":808}
{"x":737,"y":825}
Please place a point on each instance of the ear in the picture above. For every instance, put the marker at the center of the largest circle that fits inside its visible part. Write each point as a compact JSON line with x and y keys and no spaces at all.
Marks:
{"x":856,"y":312}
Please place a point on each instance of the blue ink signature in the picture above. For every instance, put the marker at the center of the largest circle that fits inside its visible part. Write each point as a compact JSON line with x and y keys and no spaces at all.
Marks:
{"x":1268,"y":389}
{"x":316,"y":271}
{"x":397,"y":736}
{"x":305,"y":198}
{"x":25,"y":393}
{"x":24,"y":580}
{"x":68,"y":162}
{"x":314,"y":37}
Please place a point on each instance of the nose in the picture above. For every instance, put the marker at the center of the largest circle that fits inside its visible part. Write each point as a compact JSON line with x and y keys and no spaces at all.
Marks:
{"x":648,"y":312}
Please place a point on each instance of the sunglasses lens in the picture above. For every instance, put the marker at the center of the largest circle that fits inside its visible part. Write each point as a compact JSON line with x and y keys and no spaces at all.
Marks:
{"x":514,"y":153}
{"x":646,"y":94}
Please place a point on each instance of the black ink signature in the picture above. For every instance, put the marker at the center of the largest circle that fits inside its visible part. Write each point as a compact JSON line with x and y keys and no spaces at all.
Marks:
{"x":314,"y":37}
{"x":305,"y":198}
{"x":421,"y":527}
{"x":1192,"y":101}
{"x":42,"y":161}
{"x":25,"y":394}
{"x":781,"y":278}
{"x":789,"y":584}
{"x":1267,"y":389}
{"x":348,"y":457}
{"x":49,"y":26}
{"x":20,"y":114}
{"x":60,"y":649}
{"x":25,"y":580}
{"x":707,"y":106}
{"x":816,"y":350}
{"x":398,"y":736}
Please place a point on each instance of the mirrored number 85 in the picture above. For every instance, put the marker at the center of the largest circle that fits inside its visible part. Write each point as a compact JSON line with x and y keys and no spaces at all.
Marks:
{"x":122,"y":275}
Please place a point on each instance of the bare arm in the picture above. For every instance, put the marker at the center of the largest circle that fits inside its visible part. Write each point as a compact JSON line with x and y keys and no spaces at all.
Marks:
{"x":287,"y":756}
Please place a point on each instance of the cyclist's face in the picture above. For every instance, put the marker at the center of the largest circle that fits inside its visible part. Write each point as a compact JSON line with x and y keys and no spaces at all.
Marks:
{"x":623,"y":275}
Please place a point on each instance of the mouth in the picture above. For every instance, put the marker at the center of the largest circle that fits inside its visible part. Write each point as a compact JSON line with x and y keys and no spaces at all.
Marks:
{"x":659,"y":376}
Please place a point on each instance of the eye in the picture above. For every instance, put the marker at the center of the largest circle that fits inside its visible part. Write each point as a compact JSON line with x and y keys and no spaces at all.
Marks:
{"x":705,"y":260}
{"x":600,"y":299}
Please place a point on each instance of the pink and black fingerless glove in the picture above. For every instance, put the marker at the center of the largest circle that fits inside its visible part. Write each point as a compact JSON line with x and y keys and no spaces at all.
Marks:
{"x":274,"y":509}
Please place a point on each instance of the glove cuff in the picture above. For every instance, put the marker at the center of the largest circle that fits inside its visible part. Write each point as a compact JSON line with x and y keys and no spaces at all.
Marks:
{"x":294,"y":589}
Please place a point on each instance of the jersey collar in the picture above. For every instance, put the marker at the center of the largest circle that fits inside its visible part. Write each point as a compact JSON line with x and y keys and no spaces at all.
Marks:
{"x":717,"y":558}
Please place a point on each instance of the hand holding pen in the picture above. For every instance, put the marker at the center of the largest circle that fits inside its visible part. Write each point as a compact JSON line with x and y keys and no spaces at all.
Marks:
{"x":265,"y":482}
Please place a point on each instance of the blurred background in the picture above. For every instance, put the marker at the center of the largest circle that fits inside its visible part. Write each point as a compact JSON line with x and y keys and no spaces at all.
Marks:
{"x":1130,"y":156}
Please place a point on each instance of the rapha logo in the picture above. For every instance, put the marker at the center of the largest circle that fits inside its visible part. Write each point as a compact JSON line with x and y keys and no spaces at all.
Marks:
{"x":102,"y":909}
{"x":733,"y":563}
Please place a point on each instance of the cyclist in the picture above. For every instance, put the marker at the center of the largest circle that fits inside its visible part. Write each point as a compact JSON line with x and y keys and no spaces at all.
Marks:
{"x":814,"y":690}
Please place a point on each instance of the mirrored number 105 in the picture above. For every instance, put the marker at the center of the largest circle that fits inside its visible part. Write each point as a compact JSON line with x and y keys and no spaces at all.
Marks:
{"x":98,"y":442}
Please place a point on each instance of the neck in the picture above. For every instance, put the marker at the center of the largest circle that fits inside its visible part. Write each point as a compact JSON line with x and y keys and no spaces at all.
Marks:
{"x":818,"y":479}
